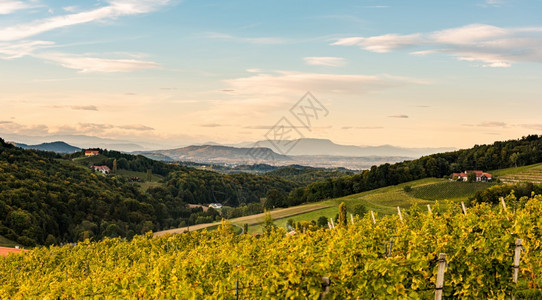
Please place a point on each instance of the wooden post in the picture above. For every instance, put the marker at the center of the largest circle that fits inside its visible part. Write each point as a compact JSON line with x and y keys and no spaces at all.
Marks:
{"x":399,"y":212}
{"x":325,"y":287}
{"x":517,"y":255}
{"x":429,"y":208}
{"x":329,"y":225}
{"x":352,"y":218}
{"x":373,"y":215}
{"x":440,"y":276}
{"x":464,"y":208}
{"x":332,"y":224}
{"x":503,"y":203}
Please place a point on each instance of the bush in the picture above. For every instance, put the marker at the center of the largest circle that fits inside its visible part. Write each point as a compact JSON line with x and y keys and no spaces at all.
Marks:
{"x":358,"y":209}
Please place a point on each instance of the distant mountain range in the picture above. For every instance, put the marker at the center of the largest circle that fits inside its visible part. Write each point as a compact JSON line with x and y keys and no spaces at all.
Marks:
{"x":308,"y":146}
{"x":216,"y":154}
{"x":81,"y":141}
{"x":58,"y":147}
{"x":307,"y":151}
{"x":225,"y":155}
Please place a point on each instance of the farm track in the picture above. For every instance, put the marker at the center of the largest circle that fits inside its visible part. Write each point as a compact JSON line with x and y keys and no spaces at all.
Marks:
{"x":278,"y":213}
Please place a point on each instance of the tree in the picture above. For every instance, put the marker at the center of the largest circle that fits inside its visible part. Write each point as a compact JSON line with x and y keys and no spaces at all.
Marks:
{"x":114,"y":166}
{"x":322,"y":221}
{"x":471,"y":177}
{"x":273,"y":198}
{"x":268,"y":225}
{"x":514,"y":159}
{"x":342,"y":215}
{"x":149,"y":174}
{"x":359,"y":209}
{"x":225,"y":227}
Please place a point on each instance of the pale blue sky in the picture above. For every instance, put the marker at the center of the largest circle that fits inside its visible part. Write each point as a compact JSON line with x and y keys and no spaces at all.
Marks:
{"x":408,"y":73}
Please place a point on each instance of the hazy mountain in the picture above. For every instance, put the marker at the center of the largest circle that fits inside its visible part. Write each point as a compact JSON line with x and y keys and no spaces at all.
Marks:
{"x":310,"y":146}
{"x":58,"y":147}
{"x":217,"y":154}
{"x":81,"y":141}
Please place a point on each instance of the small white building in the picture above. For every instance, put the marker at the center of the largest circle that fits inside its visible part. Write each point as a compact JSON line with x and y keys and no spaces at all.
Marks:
{"x":215,"y":205}
{"x":102,"y":169}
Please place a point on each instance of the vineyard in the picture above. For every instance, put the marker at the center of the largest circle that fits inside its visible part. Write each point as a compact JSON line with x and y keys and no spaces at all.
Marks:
{"x":391,"y":258}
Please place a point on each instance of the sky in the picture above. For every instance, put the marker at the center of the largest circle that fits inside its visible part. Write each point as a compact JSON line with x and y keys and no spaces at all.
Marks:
{"x":406,"y":73}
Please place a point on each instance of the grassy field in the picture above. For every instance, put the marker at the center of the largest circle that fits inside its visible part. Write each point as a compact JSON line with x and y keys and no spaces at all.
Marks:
{"x":531,"y":173}
{"x":276,"y":214}
{"x":384,"y":201}
{"x":448,"y":190}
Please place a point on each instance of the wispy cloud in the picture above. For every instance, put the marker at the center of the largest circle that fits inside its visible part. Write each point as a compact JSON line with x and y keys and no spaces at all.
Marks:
{"x":493,"y":46}
{"x":250,"y":40}
{"x":398,"y":116}
{"x":9,"y":6}
{"x":325,"y":61}
{"x":23,"y":48}
{"x":286,"y":82}
{"x":116,"y":8}
{"x":77,"y":107}
{"x":15,"y":43}
{"x":87,"y":64}
{"x":212,"y":125}
{"x":532,"y":126}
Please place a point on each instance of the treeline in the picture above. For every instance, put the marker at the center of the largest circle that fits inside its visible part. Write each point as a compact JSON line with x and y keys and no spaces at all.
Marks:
{"x":203,"y":187}
{"x":308,"y":175}
{"x":524,"y":151}
{"x":515,"y":194}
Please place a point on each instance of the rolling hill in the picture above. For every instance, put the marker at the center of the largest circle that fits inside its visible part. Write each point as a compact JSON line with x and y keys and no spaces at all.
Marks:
{"x":58,"y":147}
{"x":217,"y":154}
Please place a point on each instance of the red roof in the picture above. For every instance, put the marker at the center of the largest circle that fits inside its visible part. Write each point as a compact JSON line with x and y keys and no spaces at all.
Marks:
{"x":4,"y":251}
{"x":101,"y":168}
{"x":477,"y":172}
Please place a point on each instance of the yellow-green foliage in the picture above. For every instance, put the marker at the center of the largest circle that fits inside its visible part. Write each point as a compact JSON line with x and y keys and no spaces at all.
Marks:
{"x":357,"y":259}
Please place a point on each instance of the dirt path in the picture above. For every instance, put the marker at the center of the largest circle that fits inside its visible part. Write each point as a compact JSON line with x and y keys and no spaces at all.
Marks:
{"x":278,"y":213}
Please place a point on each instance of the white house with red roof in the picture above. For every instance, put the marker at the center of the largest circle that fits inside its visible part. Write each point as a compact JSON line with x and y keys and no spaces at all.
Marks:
{"x":481,"y":176}
{"x":102,"y":169}
{"x":92,"y":152}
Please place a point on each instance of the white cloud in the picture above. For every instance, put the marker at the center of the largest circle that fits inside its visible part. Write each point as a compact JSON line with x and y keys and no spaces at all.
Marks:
{"x":325,"y":61}
{"x":14,"y":43}
{"x":293,"y":83}
{"x":382,"y":43}
{"x":9,"y":6}
{"x":23,"y":48}
{"x":86,"y":64}
{"x":493,"y":46}
{"x":113,"y":10}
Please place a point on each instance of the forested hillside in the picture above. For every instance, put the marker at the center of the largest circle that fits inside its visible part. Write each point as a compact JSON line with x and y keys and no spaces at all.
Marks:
{"x":45,"y":199}
{"x":524,"y":151}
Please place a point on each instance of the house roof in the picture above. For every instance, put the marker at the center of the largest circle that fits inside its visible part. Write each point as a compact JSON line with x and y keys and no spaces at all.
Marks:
{"x":101,"y":168}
